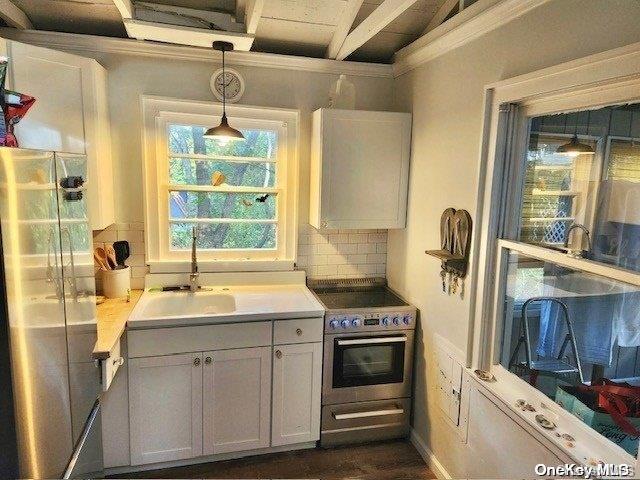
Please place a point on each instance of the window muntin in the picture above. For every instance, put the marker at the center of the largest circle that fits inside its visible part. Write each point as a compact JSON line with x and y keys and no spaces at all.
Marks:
{"x":229,"y":192}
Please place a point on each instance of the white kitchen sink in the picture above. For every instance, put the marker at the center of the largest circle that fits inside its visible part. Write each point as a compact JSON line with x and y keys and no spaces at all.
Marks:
{"x":188,"y":304}
{"x":227,"y":304}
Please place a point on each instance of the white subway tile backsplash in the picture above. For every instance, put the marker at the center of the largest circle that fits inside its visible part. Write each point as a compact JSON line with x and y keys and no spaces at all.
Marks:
{"x":342,"y":253}
{"x":134,"y":234}
{"x":366,"y":248}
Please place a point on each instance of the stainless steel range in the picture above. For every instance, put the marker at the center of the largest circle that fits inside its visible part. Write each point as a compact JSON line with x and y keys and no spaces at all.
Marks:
{"x":368,"y":360}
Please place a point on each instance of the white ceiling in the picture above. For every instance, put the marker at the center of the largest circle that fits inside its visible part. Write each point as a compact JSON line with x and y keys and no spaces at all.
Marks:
{"x":295,"y":27}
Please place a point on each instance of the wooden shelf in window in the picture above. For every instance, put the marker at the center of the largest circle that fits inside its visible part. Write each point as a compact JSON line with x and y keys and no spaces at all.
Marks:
{"x":554,"y":193}
{"x":553,"y":168}
{"x":549,"y":219}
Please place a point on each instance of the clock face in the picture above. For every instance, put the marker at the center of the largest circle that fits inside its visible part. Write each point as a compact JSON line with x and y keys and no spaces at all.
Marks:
{"x":231,"y":82}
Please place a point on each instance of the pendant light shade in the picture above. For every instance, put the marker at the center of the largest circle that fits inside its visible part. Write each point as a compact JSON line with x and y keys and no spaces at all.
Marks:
{"x":224,"y":132}
{"x":575,"y":148}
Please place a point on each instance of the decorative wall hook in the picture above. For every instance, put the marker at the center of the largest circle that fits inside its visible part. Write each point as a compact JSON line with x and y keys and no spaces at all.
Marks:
{"x":455,"y":242}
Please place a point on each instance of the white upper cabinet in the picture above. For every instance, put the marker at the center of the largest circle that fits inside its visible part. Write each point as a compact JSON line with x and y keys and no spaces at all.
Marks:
{"x":71,"y":114}
{"x":359,"y":169}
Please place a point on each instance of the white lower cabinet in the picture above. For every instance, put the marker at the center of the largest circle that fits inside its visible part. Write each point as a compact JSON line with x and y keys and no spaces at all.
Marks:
{"x":186,"y":405}
{"x":165,"y":408}
{"x":236,"y":400}
{"x":297,"y":380}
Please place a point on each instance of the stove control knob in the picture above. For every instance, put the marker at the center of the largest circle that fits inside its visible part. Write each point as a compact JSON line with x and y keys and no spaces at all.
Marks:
{"x":345,"y":323}
{"x":355,"y":321}
{"x":333,"y":324}
{"x":396,"y":320}
{"x":406,"y":319}
{"x":385,"y":321}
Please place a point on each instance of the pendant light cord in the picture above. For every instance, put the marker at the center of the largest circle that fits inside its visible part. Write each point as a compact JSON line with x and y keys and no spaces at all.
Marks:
{"x":224,"y":86}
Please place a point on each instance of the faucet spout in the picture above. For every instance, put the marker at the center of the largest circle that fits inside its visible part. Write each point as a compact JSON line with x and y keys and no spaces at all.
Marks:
{"x":193,"y":277}
{"x":586,"y":234}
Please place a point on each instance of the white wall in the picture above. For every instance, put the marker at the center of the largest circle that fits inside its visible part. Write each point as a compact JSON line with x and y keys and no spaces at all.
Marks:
{"x":446,"y":98}
{"x":132,"y":76}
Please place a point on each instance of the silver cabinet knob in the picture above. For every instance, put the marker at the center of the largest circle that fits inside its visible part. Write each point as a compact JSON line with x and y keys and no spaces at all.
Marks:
{"x":118,"y":361}
{"x":278,"y":354}
{"x":207,"y":360}
{"x":196,"y":362}
{"x":299,"y":331}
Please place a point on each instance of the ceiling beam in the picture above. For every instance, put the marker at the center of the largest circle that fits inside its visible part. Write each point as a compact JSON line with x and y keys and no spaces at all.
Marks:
{"x":125,"y":8}
{"x":342,"y":29}
{"x":13,"y":16}
{"x":443,"y":12}
{"x":253,"y":13}
{"x":382,"y":16}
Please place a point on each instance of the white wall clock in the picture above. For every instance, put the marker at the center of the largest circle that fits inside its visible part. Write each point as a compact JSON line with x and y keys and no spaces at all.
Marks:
{"x":234,"y":84}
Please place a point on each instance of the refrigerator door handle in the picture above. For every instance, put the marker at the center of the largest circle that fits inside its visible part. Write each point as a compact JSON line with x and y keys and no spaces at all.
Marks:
{"x":86,"y":430}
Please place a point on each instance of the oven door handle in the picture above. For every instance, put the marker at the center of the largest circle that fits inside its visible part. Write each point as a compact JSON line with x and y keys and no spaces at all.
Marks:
{"x":370,"y":413}
{"x":366,"y":341}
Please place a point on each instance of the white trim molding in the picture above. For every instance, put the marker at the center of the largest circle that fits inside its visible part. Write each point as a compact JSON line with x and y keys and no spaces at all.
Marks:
{"x":428,"y":456}
{"x":473,"y":22}
{"x":89,"y":45}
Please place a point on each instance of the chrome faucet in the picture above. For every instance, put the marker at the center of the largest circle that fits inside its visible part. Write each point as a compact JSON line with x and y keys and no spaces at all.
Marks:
{"x":193,"y":277}
{"x":578,"y":252}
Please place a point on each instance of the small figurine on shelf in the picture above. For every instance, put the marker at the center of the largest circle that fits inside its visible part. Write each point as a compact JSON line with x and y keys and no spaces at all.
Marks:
{"x":14,"y":107}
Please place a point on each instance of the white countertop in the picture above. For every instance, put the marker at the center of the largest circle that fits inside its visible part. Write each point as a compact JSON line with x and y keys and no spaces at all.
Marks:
{"x":224,"y":304}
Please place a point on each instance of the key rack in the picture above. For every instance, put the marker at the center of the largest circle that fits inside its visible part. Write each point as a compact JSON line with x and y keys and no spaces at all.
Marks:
{"x":455,"y":243}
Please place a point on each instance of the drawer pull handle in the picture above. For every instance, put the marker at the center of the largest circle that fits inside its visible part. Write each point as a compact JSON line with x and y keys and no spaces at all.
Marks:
{"x":118,"y":361}
{"x":278,"y":354}
{"x":371,"y":413}
{"x":196,"y":362}
{"x":207,"y":360}
{"x":299,"y":331}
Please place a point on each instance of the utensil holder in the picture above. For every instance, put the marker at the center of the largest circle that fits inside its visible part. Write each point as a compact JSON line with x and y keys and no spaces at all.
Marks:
{"x":116,"y":283}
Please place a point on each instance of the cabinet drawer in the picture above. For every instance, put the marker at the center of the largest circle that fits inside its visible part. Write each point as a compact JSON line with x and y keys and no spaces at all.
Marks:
{"x":167,"y":341}
{"x":302,"y":330}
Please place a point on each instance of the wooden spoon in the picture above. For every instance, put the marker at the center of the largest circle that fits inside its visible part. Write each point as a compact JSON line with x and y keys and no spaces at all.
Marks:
{"x":101,"y":255}
{"x":111,"y":256}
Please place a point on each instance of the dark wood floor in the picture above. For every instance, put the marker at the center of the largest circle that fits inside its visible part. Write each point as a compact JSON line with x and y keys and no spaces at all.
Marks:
{"x":395,"y":460}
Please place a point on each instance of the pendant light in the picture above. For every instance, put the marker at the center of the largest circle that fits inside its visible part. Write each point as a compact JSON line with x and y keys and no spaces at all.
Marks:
{"x":574,"y":147}
{"x":223,"y":133}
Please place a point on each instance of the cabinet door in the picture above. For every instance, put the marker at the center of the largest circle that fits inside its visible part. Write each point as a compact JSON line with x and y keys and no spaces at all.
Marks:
{"x":297,"y":381}
{"x":360,"y":169}
{"x":237,"y":400}
{"x":58,"y":82}
{"x":165,"y":408}
{"x":71,"y":115}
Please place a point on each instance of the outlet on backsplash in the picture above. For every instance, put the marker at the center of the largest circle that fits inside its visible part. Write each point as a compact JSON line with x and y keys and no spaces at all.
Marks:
{"x":342,"y":253}
{"x":134,"y":234}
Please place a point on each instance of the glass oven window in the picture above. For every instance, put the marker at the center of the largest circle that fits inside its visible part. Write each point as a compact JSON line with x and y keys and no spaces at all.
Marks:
{"x":367,"y":364}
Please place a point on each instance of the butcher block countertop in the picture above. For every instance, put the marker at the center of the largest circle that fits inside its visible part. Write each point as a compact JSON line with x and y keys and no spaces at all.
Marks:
{"x":112,"y":321}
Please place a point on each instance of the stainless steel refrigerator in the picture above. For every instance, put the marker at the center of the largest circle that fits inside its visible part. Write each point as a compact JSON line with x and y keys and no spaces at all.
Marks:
{"x":49,"y":383}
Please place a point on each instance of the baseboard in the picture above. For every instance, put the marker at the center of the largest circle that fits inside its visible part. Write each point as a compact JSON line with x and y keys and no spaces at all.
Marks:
{"x":428,"y":456}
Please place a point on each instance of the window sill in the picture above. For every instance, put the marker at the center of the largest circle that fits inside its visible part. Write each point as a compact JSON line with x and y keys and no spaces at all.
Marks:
{"x":588,"y":443}
{"x":223,"y":266}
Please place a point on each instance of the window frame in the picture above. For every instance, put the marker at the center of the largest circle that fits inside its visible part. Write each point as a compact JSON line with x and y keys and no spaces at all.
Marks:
{"x":597,"y":81}
{"x":159,"y":113}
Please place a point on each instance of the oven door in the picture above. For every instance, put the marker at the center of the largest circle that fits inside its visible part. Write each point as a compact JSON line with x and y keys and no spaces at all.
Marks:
{"x":367,"y":366}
